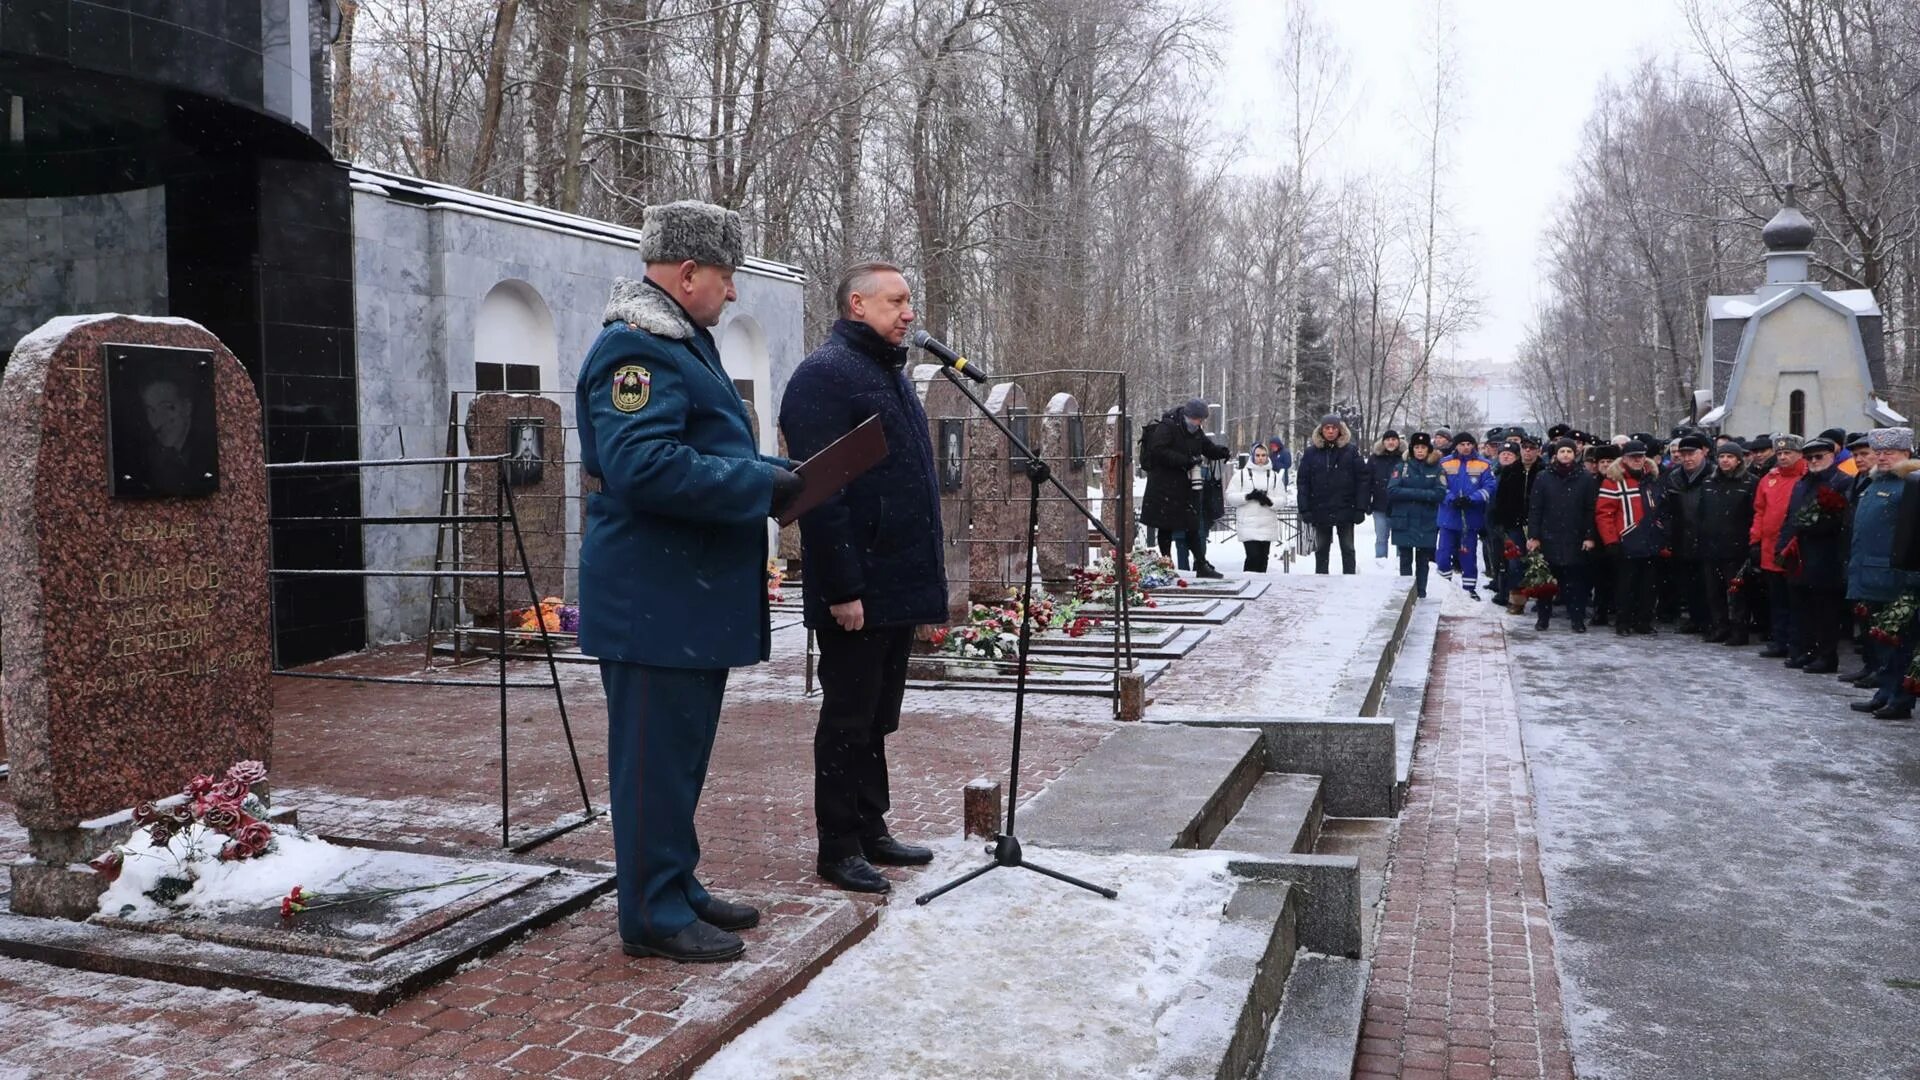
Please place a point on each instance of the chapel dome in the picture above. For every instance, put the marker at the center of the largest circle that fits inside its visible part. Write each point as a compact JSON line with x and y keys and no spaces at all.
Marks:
{"x":1789,"y":230}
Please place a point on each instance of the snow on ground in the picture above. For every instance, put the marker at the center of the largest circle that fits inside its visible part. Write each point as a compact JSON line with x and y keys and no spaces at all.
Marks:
{"x":1013,"y":975}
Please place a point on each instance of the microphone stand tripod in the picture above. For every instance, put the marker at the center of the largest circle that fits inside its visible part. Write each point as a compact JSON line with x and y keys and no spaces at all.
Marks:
{"x":1005,"y":849}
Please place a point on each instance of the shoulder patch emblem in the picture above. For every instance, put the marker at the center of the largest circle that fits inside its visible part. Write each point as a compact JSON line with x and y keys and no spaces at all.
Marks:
{"x":632,"y":385}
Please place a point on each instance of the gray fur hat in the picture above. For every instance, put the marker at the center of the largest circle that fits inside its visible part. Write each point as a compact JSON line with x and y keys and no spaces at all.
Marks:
{"x":1891,"y":438}
{"x":707,"y":234}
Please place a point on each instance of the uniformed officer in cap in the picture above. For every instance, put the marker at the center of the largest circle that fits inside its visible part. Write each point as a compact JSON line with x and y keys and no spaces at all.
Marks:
{"x":673,"y":565}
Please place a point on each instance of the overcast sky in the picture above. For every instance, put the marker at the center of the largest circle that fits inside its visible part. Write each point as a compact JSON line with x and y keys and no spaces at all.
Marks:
{"x":1529,"y":70}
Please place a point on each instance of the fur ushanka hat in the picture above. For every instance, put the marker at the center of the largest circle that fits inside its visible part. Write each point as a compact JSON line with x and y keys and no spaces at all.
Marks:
{"x":691,"y":230}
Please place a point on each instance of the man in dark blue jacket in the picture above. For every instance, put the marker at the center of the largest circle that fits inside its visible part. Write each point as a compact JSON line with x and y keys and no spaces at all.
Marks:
{"x":679,"y":529}
{"x":872,"y":567}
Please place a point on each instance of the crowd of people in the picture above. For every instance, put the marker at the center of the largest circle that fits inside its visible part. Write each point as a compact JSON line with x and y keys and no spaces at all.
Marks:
{"x":1798,"y":545}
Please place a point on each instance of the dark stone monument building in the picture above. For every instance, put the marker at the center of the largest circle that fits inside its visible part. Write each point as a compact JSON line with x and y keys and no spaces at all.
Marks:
{"x":172,"y":159}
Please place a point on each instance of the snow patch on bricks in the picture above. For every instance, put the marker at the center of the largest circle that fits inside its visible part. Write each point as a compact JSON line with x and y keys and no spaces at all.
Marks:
{"x":1013,"y":975}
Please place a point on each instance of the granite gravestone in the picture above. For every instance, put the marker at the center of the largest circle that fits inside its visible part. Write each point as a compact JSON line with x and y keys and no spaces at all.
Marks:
{"x":997,"y":502}
{"x":528,"y":428}
{"x":1109,"y":441}
{"x":946,"y":413}
{"x":1063,"y":531}
{"x":136,"y":628}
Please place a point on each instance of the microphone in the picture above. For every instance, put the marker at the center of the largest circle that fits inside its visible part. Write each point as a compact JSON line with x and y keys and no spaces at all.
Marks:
{"x":924,"y":340}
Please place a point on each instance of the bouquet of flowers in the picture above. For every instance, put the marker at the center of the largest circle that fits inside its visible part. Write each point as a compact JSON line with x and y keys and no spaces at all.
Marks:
{"x":1894,"y":618}
{"x":1826,"y":505}
{"x":210,"y":810}
{"x":992,"y":631}
{"x":1099,"y":584}
{"x":1536,"y":578}
{"x":1511,"y":551}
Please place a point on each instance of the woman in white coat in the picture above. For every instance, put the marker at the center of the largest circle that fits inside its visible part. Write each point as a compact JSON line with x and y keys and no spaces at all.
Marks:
{"x":1255,"y":495}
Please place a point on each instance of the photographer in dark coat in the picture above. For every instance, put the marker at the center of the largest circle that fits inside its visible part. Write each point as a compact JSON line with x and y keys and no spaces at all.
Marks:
{"x":872,"y":567}
{"x":1172,"y":452}
{"x":1560,"y":526}
{"x":1334,"y":489}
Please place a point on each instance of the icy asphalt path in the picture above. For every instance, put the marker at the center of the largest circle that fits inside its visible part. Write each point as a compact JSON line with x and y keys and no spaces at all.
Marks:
{"x":1732,"y":860}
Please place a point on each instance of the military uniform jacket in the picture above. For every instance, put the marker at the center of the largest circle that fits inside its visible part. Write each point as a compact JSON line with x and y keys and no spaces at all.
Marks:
{"x":673,"y":563}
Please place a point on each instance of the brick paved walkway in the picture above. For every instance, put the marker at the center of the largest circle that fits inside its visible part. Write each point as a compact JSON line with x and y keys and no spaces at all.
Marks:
{"x":407,"y":763}
{"x":1464,"y":984}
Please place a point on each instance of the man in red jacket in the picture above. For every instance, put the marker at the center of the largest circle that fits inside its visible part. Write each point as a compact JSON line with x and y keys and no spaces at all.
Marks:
{"x":1770,"y":502}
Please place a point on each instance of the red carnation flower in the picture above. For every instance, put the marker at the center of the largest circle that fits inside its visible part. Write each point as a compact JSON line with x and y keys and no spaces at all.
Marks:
{"x":1183,"y":583}
{"x":1830,"y":500}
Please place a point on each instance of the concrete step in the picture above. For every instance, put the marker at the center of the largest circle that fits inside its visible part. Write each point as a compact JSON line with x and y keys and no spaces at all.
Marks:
{"x":1406,"y":691}
{"x":1318,"y":1030}
{"x":1148,"y":788}
{"x":1220,"y":1026}
{"x":1281,"y":816}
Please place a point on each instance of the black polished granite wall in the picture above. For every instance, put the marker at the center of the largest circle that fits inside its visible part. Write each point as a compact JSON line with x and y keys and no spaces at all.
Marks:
{"x":220,"y":101}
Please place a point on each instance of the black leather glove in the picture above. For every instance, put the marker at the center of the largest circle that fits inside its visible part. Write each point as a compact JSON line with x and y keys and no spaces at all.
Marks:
{"x":1461,"y":502}
{"x":1753,"y":555}
{"x":1260,"y":497}
{"x":786,"y":488}
{"x":1195,"y":461}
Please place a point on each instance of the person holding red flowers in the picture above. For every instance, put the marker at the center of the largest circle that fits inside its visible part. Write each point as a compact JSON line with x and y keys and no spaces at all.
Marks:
{"x":1812,"y":550}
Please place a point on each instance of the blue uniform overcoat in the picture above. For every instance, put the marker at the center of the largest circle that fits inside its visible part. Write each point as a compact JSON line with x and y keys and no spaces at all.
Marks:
{"x":673,"y":563}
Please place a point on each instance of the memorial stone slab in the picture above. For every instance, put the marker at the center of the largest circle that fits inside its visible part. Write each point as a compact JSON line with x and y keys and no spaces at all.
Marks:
{"x":530,"y":429}
{"x":136,"y":628}
{"x":1110,"y":439}
{"x":947,"y":413}
{"x":1063,"y":531}
{"x":997,"y":500}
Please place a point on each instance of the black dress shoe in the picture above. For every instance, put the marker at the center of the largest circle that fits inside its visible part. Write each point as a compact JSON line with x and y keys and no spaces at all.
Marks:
{"x":1600,"y":619}
{"x":1826,"y":665}
{"x":1648,"y":630}
{"x":1773,"y":652}
{"x":1800,"y":661}
{"x":1854,"y":676}
{"x":729,"y":916}
{"x":1869,"y":681}
{"x":1579,"y":627}
{"x":699,"y":943}
{"x":1208,"y":571}
{"x":1871,"y":705}
{"x":886,"y":851}
{"x":1736,"y":639}
{"x":1891,"y":713}
{"x":1546,"y":616}
{"x":1622,"y":631}
{"x":854,"y":874}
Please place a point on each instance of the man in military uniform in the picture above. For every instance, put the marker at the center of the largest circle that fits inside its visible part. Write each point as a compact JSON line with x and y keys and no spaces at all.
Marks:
{"x":673,"y":566}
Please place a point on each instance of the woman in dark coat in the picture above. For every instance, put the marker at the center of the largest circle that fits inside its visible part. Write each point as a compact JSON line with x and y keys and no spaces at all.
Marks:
{"x":1560,"y":526}
{"x":1414,"y":492}
{"x":1507,"y":524}
{"x":1814,"y":555}
{"x":1334,"y":488}
{"x":1174,"y":449}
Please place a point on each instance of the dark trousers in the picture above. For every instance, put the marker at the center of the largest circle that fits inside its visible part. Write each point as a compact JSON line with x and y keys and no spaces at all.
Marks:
{"x":1413,"y":564}
{"x":1816,"y":617}
{"x":1691,"y":578}
{"x":1602,"y":571}
{"x":1893,"y":663}
{"x":1575,"y":586}
{"x":1780,"y":628}
{"x":1193,"y":538}
{"x":863,"y":676}
{"x":1633,"y":593}
{"x":660,"y":728}
{"x":1323,"y":542}
{"x":1723,"y":610}
{"x":1256,"y":555}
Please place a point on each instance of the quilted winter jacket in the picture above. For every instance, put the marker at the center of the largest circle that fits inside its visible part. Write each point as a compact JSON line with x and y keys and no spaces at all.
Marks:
{"x":1473,"y":478}
{"x":1414,"y":489}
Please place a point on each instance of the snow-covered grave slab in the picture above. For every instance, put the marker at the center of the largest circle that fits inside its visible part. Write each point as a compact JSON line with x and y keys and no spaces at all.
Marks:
{"x":1171,"y":606}
{"x":1047,"y":673}
{"x":1318,"y":636}
{"x":1018,"y":976}
{"x":364,"y":943}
